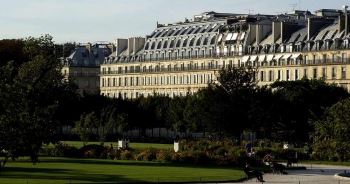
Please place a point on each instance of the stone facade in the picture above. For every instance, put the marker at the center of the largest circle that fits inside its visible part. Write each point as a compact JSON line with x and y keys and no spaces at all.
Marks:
{"x":181,"y":58}
{"x":83,"y":66}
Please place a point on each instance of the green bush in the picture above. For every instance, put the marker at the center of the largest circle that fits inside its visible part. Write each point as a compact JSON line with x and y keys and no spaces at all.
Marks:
{"x":148,"y":154}
{"x":94,"y":151}
{"x":164,"y":155}
{"x":175,"y":157}
{"x":61,"y":150}
{"x":126,"y":155}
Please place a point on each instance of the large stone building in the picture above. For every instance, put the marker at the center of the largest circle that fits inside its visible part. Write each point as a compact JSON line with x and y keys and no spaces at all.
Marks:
{"x":181,"y":58}
{"x":83,"y":66}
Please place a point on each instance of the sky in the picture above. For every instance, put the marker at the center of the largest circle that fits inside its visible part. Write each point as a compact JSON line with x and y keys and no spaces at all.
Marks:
{"x":105,"y":20}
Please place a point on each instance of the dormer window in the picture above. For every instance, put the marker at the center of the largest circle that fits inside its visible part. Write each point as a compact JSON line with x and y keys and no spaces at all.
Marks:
{"x":283,"y":48}
{"x":346,"y":43}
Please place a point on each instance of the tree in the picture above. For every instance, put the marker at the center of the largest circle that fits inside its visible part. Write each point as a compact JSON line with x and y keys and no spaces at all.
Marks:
{"x":86,"y":125}
{"x":30,"y":96}
{"x":331,"y":139}
{"x":234,"y":79}
{"x":299,"y":103}
{"x":227,"y":101}
{"x":12,"y":50}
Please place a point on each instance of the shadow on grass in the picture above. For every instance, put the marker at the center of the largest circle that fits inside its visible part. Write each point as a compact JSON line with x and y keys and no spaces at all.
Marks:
{"x":66,"y":175}
{"x":132,"y":163}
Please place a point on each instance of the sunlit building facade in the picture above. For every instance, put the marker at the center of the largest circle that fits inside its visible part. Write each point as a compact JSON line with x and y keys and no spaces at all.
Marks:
{"x":181,"y":58}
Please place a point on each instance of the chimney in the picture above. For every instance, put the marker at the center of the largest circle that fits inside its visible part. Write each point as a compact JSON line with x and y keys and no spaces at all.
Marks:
{"x":121,"y":45}
{"x":131,"y":42}
{"x":276,"y":31}
{"x":346,"y":19}
{"x":138,"y":44}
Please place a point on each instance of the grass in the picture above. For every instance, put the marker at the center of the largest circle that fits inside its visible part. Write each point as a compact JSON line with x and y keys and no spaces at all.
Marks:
{"x":66,"y":170}
{"x":79,"y":144}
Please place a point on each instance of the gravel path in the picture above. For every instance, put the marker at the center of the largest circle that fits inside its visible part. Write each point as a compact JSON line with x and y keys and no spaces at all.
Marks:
{"x":315,"y":174}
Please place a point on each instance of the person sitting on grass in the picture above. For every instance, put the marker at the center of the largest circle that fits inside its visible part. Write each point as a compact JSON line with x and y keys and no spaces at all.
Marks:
{"x":250,"y":172}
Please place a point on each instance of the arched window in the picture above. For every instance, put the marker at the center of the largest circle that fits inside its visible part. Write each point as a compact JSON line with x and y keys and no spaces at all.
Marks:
{"x":212,"y":42}
{"x":205,"y":42}
{"x":153,"y":45}
{"x":185,"y":43}
{"x":192,"y":42}
{"x":172,"y":43}
{"x":178,"y":43}
{"x":159,"y":44}
{"x":165,"y":44}
{"x":146,"y":46}
{"x":199,"y":42}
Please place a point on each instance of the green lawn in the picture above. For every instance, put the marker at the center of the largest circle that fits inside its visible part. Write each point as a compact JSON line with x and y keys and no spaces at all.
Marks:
{"x":79,"y":144}
{"x":66,"y":170}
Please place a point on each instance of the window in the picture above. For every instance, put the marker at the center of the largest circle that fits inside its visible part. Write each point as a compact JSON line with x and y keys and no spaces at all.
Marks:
{"x":172,"y":43}
{"x":205,"y":42}
{"x":270,"y":75}
{"x":324,"y":58}
{"x":165,"y":45}
{"x":296,"y":74}
{"x":191,"y":42}
{"x":334,"y":73}
{"x":184,"y":43}
{"x":212,"y":42}
{"x":153,"y":45}
{"x":159,"y":44}
{"x":279,"y":75}
{"x":199,"y":42}
{"x":131,"y":81}
{"x":261,"y":75}
{"x":313,"y":59}
{"x":287,"y":75}
{"x":324,"y":73}
{"x":169,"y":67}
{"x":178,"y":43}
{"x":343,"y":73}
{"x":125,"y":81}
{"x":343,"y":55}
{"x":314,"y":73}
{"x":305,"y":72}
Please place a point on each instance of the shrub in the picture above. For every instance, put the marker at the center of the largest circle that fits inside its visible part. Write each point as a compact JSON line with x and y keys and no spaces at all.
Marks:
{"x":94,"y":151}
{"x":126,"y":155}
{"x":175,"y":157}
{"x":62,"y":150}
{"x":164,"y":155}
{"x":148,"y":154}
